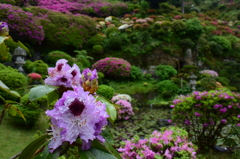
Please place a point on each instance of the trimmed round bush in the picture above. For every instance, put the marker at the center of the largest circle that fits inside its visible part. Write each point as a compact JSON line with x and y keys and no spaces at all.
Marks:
{"x":106,"y":91}
{"x":31,"y":111}
{"x":12,"y":78}
{"x":97,"y":49}
{"x":136,"y":73}
{"x":39,"y":67}
{"x":165,"y":71}
{"x":56,"y":55}
{"x":167,"y":85}
{"x":114,"y":67}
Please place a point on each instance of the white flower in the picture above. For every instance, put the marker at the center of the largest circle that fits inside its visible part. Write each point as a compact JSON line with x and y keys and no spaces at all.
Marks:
{"x":124,"y":26}
{"x":108,"y":19}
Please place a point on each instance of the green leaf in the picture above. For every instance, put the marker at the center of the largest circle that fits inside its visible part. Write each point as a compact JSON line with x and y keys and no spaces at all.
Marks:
{"x":39,"y":91}
{"x":3,"y":86}
{"x":111,"y":110}
{"x":2,"y":99}
{"x":31,"y":149}
{"x":11,"y":102}
{"x":12,"y":110}
{"x":94,"y":153}
{"x":2,"y":38}
{"x":45,"y":154}
{"x":52,"y":96}
{"x":20,"y":113}
{"x":107,"y":147}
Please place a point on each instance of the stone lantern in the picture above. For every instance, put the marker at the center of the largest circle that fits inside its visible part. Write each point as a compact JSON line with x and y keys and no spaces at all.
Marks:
{"x":19,"y":55}
{"x":193,"y":82}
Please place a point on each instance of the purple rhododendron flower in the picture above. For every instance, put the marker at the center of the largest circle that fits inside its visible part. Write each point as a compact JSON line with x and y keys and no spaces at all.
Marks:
{"x":187,"y":122}
{"x":223,"y":121}
{"x":238,"y":116}
{"x":197,"y":114}
{"x":63,"y":74}
{"x":223,"y":110}
{"x":205,"y":125}
{"x":77,"y":115}
{"x":172,"y":106}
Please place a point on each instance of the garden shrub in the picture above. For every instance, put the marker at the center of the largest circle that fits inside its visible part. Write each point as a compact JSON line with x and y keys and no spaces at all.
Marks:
{"x":169,"y":143}
{"x":97,"y":49}
{"x":208,"y":83}
{"x":12,"y":78}
{"x":111,"y":31}
{"x":96,"y":40}
{"x":167,"y":85}
{"x":223,"y":80}
{"x":118,"y":97}
{"x":31,"y":111}
{"x":212,"y":111}
{"x":100,"y":77}
{"x":194,"y":29}
{"x":223,"y":42}
{"x":114,"y":67}
{"x":165,"y":71}
{"x":125,"y":111}
{"x":136,"y":73}
{"x":105,"y":91}
{"x":56,"y":55}
{"x":12,"y":45}
{"x":167,"y":94}
{"x":39,"y":67}
{"x":22,"y":24}
{"x":209,"y":73}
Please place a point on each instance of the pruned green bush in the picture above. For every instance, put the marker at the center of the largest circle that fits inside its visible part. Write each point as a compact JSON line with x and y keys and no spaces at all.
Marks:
{"x":105,"y":91}
{"x":165,"y":71}
{"x":167,"y":85}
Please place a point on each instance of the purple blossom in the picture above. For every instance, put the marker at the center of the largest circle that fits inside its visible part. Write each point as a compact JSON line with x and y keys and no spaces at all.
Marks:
{"x":223,"y":110}
{"x":205,"y":125}
{"x":172,"y":106}
{"x":197,"y":114}
{"x":125,"y":111}
{"x":187,"y":122}
{"x":224,"y":121}
{"x":238,"y":116}
{"x":77,"y":115}
{"x":169,"y":121}
{"x":238,"y":124}
{"x":216,"y":106}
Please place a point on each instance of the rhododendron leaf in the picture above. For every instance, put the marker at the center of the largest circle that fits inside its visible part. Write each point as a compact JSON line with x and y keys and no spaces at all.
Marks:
{"x":45,"y":154}
{"x":31,"y":149}
{"x":94,"y":153}
{"x":12,"y":110}
{"x":106,"y":146}
{"x":20,"y":114}
{"x":111,"y":110}
{"x":39,"y":91}
{"x":2,"y":38}
{"x":4,"y":88}
{"x":52,"y":96}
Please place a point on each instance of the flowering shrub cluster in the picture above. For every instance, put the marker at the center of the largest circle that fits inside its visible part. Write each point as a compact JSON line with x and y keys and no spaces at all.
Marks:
{"x":210,"y":73}
{"x":126,"y":110}
{"x":121,"y":97}
{"x":34,"y":76}
{"x":205,"y":114}
{"x":21,"y":24}
{"x":4,"y":29}
{"x":169,"y":144}
{"x":111,"y":66}
{"x":96,"y":8}
{"x":76,"y":114}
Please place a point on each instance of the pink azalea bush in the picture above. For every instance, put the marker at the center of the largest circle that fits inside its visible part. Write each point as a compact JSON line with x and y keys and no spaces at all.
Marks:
{"x":114,"y":67}
{"x":126,"y":110}
{"x":169,"y":144}
{"x":22,"y":24}
{"x":210,"y":73}
{"x":34,"y":76}
{"x":212,"y":111}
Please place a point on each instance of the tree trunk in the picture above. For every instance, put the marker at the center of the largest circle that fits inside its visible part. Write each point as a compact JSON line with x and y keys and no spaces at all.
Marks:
{"x":182,"y":7}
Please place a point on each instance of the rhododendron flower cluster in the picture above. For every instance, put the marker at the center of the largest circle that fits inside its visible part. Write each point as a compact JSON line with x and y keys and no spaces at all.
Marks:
{"x":77,"y":115}
{"x":125,"y":111}
{"x":121,"y":97}
{"x":209,"y":73}
{"x":3,"y":29}
{"x":172,"y":143}
{"x":111,"y":66}
{"x":210,"y":110}
{"x":64,"y":75}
